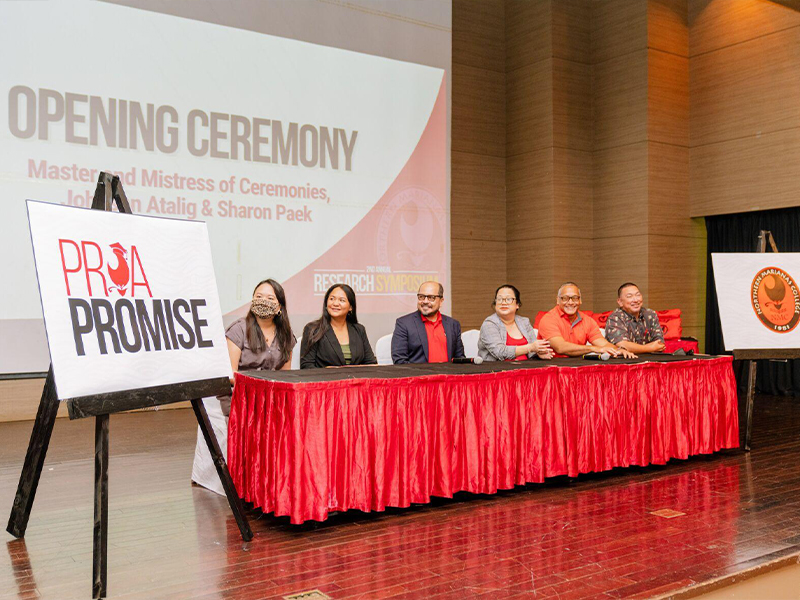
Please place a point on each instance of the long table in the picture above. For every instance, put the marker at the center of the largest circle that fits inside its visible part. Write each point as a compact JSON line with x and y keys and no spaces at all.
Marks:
{"x":307,"y":443}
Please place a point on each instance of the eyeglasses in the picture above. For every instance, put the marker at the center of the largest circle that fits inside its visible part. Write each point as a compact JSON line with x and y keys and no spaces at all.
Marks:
{"x":499,"y":300}
{"x":566,"y":299}
{"x":428,"y":297}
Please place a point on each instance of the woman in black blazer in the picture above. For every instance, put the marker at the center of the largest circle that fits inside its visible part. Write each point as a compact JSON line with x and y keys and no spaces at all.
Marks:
{"x":336,"y":338}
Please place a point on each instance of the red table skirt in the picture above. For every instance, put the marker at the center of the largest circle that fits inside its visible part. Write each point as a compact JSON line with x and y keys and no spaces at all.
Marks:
{"x":304,"y":450}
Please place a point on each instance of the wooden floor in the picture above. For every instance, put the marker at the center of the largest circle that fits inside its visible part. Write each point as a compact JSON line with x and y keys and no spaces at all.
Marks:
{"x":595,"y":537}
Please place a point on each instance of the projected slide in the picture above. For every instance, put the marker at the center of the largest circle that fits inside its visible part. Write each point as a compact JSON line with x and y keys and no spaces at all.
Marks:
{"x":310,"y":164}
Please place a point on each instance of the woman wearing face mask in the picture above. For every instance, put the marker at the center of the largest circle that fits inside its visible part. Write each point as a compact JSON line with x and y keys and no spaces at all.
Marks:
{"x":263,"y":340}
{"x":336,"y":338}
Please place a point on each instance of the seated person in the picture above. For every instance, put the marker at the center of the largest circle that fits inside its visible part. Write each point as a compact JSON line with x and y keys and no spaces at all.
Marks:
{"x":507,"y":336}
{"x":336,"y":338}
{"x":567,"y":329}
{"x":426,"y":335}
{"x":262,"y":340}
{"x":633,"y":327}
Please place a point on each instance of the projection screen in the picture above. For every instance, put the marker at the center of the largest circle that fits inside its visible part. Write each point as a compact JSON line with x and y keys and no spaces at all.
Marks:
{"x":311,"y":136}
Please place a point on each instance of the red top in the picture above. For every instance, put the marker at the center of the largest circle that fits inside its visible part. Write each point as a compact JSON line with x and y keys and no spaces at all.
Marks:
{"x":437,"y":340}
{"x":556,"y":323}
{"x":516,"y":342}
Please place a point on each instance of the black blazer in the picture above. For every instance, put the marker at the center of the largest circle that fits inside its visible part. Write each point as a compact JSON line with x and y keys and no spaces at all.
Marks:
{"x":410,"y":340}
{"x":328,"y":351}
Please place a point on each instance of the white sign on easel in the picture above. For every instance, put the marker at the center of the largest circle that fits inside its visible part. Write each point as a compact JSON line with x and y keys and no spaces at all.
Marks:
{"x":129,"y":301}
{"x":759,"y":299}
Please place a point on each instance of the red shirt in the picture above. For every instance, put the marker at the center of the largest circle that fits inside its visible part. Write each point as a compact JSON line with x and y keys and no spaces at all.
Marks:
{"x":556,"y":323}
{"x":516,"y":342}
{"x":437,"y":340}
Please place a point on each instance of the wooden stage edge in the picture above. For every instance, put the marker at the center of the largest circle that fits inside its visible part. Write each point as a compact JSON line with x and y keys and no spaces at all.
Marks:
{"x":678,"y":530}
{"x":700,"y":589}
{"x":19,"y":400}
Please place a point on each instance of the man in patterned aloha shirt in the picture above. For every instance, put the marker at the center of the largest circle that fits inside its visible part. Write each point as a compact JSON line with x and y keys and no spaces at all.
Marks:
{"x":633,"y":327}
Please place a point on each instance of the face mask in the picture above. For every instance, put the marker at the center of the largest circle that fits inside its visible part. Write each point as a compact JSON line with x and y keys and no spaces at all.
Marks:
{"x":264,"y":307}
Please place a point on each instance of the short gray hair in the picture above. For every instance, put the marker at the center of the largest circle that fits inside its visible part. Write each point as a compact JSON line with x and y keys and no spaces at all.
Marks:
{"x":565,"y":284}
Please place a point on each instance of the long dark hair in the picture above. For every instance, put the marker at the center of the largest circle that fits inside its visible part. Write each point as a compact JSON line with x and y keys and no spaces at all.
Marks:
{"x":320,"y":327}
{"x":283,"y":329}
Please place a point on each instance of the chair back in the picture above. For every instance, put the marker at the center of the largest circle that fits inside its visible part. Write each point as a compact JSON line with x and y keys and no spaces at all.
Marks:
{"x":296,"y":354}
{"x":383,"y":350}
{"x":470,"y":340}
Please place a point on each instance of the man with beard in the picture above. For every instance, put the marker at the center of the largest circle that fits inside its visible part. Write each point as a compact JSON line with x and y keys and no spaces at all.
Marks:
{"x":426,"y":335}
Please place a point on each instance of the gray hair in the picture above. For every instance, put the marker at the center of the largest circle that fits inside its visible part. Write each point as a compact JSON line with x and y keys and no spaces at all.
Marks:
{"x":565,"y":284}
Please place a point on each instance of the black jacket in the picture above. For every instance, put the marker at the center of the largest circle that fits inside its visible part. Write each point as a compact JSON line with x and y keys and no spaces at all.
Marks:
{"x":328,"y":352}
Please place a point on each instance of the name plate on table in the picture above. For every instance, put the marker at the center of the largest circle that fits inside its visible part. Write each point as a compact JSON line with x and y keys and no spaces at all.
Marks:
{"x":759,"y":299}
{"x":129,"y":301}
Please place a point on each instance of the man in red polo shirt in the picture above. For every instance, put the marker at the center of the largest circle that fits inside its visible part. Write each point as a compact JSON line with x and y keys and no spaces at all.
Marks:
{"x":568,"y":329}
{"x":426,"y":335}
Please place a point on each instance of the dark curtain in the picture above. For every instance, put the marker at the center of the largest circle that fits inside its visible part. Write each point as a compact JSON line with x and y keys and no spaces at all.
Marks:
{"x":739,"y":233}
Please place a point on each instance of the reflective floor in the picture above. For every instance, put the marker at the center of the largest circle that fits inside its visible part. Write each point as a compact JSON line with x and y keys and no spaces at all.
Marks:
{"x":637,"y":532}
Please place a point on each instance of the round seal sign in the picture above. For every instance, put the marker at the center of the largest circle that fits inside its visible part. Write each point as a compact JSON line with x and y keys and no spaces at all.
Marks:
{"x":776,"y":299}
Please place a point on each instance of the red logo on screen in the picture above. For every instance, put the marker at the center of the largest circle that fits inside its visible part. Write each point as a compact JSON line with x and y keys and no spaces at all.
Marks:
{"x":776,"y":299}
{"x":96,"y":270}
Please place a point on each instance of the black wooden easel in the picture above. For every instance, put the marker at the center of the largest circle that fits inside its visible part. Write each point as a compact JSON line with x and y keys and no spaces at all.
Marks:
{"x":108,"y":193}
{"x":751,"y":356}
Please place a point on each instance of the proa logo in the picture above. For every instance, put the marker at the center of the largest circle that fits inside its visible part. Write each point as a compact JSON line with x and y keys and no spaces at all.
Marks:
{"x":776,"y":299}
{"x":115,"y":269}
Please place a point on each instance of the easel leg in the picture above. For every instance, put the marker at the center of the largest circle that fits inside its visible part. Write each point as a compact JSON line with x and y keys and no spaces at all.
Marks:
{"x":222,"y":469}
{"x":100,"y":550}
{"x":34,"y":459}
{"x":751,"y":391}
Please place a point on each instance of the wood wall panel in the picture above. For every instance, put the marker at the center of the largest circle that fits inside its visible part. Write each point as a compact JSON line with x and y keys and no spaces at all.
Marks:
{"x":572,"y":105}
{"x":478,"y":203}
{"x":620,"y":100}
{"x":619,"y":27}
{"x":529,"y":32}
{"x":572,"y":30}
{"x":715,"y":24}
{"x":532,"y":270}
{"x":478,"y":267}
{"x":619,"y":260}
{"x":620,"y":191}
{"x":479,"y":34}
{"x":668,"y":192}
{"x":667,"y":98}
{"x":677,"y":272}
{"x":740,"y":175}
{"x":478,"y":198}
{"x":529,"y":102}
{"x":748,"y":89}
{"x":573,"y":194}
{"x":478,"y":100}
{"x":667,"y":26}
{"x":543,"y":264}
{"x":698,"y":333}
{"x":573,"y":262}
{"x":529,"y":193}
